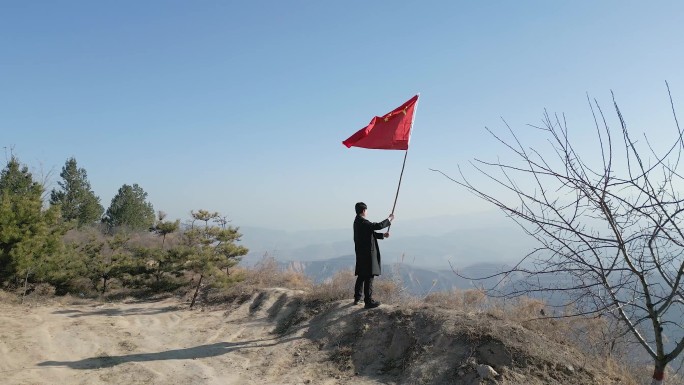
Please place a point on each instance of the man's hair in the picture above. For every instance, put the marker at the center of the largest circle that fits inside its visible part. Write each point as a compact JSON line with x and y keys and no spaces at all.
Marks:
{"x":359,"y":207}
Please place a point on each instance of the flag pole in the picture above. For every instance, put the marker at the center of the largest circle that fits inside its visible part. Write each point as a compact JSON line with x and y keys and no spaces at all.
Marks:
{"x":400,"y":176}
{"x":396,"y":196}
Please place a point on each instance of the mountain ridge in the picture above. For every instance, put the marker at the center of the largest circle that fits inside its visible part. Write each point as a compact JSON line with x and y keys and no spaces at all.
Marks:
{"x":439,"y":242}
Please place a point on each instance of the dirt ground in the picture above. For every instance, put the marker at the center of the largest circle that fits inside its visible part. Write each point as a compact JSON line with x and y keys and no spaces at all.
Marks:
{"x":154,"y":343}
{"x":275,"y":337}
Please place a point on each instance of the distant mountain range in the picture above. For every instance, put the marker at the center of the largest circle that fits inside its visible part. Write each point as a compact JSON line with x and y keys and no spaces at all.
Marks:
{"x":431,"y":243}
{"x":416,"y":280}
{"x":420,"y":253}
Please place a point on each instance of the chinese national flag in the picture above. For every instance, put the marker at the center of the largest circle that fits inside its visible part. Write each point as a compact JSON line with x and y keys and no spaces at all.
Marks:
{"x":388,"y":132}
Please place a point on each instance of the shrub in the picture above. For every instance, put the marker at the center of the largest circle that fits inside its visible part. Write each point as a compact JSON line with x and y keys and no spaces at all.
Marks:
{"x":267,"y":273}
{"x":82,"y":287}
{"x":463,"y":300}
{"x":339,"y":286}
{"x":7,"y":297}
{"x":44,"y":290}
{"x":388,"y":291}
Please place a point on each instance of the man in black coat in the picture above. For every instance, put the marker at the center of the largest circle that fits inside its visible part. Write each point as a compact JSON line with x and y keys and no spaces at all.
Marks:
{"x":367,"y":254}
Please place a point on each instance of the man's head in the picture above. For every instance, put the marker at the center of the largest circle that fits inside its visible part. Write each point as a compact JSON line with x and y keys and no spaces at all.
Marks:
{"x":360,"y":208}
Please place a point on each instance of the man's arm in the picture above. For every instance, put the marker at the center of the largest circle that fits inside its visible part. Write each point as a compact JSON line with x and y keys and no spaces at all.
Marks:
{"x":379,"y":225}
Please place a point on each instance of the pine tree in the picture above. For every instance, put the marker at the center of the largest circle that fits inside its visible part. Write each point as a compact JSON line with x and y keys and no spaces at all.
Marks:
{"x":212,"y":248}
{"x":106,"y":259}
{"x":17,"y":180}
{"x":30,"y":237}
{"x":166,"y":260}
{"x":164,"y":228}
{"x":76,"y":199}
{"x":129,"y":209}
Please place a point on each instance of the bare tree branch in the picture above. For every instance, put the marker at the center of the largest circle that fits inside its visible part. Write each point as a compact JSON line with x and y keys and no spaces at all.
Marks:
{"x":610,"y":232}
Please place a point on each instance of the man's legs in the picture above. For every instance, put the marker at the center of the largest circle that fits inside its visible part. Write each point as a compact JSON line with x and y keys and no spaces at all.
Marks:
{"x":365,"y":281}
{"x":368,"y":289}
{"x":357,"y":288}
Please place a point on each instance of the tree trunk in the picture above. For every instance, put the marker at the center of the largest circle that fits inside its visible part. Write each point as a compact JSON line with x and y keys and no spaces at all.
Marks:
{"x":159,"y":272}
{"x":659,"y":374}
{"x":104,"y":285}
{"x":194,"y":297}
{"x":25,"y":286}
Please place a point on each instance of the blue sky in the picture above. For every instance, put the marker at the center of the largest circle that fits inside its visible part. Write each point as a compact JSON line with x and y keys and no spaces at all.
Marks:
{"x":241,"y":107}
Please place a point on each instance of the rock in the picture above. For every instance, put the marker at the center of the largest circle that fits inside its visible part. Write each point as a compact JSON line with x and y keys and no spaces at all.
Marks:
{"x":486,"y":371}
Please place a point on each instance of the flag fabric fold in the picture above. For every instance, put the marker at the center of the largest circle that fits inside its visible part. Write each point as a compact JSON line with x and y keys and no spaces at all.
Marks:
{"x":391,"y":131}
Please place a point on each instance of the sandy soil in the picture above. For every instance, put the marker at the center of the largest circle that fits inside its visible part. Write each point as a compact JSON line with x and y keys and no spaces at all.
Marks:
{"x":276,"y":337}
{"x":155,"y":343}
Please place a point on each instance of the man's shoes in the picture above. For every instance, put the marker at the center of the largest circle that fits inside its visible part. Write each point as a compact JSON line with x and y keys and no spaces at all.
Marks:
{"x":371,"y":304}
{"x":357,"y":301}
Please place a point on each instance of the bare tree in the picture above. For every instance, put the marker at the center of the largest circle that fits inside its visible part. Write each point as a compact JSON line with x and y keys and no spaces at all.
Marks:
{"x":611,"y":232}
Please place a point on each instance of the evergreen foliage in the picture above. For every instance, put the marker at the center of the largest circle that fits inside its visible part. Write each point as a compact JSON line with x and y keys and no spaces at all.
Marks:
{"x":36,"y":248}
{"x":75,"y":198}
{"x":164,"y":228}
{"x":30,"y":237}
{"x":166,"y":261}
{"x":212,"y":248}
{"x":106,"y":259}
{"x":129,"y":209}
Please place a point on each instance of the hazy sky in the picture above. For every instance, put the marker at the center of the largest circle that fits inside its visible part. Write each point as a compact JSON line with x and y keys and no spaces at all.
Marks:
{"x":241,"y":107}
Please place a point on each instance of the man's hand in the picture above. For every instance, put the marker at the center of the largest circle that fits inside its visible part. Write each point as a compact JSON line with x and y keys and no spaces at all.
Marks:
{"x":391,"y":217}
{"x":386,"y":235}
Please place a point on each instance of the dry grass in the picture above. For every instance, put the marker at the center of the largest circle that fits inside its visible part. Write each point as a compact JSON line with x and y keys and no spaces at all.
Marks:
{"x":43,"y":290}
{"x":340,"y":286}
{"x":599,"y":340}
{"x":267,"y":273}
{"x":9,"y":298}
{"x":389,"y":291}
{"x":248,"y":281}
{"x":462,"y":300}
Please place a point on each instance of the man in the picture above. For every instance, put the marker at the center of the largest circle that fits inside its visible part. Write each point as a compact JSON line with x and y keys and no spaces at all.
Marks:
{"x":367,"y":254}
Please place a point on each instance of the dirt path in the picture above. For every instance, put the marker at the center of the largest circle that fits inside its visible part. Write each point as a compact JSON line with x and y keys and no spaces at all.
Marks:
{"x":153,"y":343}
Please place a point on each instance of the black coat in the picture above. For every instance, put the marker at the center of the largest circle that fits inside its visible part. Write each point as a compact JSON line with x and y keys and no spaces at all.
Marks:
{"x":366,"y":245}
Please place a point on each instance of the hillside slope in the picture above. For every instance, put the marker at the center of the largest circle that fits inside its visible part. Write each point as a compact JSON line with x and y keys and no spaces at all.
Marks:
{"x":275,"y":336}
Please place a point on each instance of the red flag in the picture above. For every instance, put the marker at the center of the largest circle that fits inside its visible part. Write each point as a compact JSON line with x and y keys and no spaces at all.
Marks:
{"x":388,"y":132}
